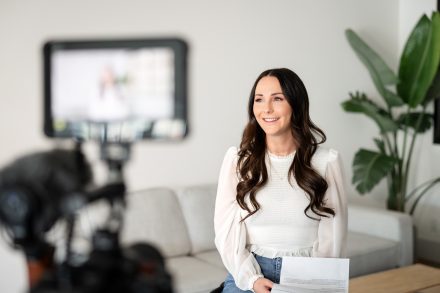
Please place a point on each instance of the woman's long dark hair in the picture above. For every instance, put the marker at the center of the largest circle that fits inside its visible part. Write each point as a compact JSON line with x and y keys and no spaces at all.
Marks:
{"x":251,"y":157}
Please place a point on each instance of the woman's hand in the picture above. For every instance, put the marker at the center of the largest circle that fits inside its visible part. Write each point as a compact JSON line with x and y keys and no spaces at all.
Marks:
{"x":262,"y":285}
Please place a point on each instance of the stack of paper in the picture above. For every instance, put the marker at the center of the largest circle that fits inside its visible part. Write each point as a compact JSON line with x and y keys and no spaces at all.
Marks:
{"x":312,"y":274}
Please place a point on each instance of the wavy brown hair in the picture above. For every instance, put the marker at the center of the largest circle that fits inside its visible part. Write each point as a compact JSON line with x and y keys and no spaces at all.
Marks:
{"x":251,"y":164}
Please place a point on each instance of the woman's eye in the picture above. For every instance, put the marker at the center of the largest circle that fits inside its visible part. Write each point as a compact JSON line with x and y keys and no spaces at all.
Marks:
{"x":278,"y":98}
{"x":257,"y":100}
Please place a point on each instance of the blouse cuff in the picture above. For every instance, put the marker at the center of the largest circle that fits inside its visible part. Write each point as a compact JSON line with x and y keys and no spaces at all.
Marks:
{"x":252,"y":281}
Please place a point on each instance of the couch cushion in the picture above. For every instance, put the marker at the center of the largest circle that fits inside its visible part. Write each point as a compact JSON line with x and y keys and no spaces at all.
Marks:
{"x":154,"y":216}
{"x":212,"y":257}
{"x":191,"y":275}
{"x":198,"y":203}
{"x":369,"y":254}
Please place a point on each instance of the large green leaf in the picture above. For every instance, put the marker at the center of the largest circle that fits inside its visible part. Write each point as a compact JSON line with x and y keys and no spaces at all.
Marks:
{"x":361,"y":104}
{"x":411,"y":119}
{"x":420,"y":60}
{"x":379,"y":71}
{"x":434,"y":90}
{"x":369,"y":167}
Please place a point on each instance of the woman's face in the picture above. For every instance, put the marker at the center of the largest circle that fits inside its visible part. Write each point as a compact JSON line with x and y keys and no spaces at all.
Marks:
{"x":271,"y":108}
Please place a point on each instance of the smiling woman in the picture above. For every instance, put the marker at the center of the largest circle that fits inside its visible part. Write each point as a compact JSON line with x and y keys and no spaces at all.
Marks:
{"x":279,"y":194}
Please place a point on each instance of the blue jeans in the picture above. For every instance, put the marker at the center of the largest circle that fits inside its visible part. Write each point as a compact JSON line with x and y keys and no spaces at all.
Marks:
{"x":270,"y":268}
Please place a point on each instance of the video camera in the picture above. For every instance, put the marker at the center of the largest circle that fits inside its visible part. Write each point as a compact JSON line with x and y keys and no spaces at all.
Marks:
{"x":114,"y":92}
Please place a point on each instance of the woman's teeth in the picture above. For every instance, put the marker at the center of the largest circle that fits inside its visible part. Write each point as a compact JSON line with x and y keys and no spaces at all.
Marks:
{"x":270,"y":119}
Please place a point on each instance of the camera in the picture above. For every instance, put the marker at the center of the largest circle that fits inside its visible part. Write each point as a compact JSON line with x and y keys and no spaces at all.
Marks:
{"x":113,"y":92}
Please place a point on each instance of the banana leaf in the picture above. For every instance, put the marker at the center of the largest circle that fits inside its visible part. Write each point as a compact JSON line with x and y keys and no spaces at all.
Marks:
{"x":364,"y":105}
{"x":410,"y":119}
{"x":420,"y":60}
{"x":434,"y":89}
{"x":369,"y":168}
{"x":379,"y":71}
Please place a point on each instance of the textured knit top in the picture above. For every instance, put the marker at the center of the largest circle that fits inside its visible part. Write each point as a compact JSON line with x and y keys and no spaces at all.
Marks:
{"x":280,"y":227}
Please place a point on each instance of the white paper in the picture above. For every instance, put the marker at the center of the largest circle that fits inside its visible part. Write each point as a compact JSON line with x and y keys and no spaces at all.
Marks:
{"x":313,"y":274}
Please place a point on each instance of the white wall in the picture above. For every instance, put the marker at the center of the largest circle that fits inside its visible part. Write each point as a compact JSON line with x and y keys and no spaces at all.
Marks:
{"x":231,"y":42}
{"x":410,"y":12}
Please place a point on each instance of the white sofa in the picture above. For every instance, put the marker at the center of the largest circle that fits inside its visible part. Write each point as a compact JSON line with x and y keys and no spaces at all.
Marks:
{"x":179,"y":222}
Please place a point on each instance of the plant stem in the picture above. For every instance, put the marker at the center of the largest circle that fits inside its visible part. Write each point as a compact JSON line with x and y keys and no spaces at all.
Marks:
{"x":414,"y":191}
{"x":393,"y":178}
{"x":403,"y":179}
{"x":395,"y":175}
{"x":408,"y":161}
{"x":433,"y":183}
{"x":388,"y":143}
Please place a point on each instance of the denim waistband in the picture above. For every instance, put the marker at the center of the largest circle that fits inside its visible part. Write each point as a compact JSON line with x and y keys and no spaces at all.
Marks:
{"x":270,"y":267}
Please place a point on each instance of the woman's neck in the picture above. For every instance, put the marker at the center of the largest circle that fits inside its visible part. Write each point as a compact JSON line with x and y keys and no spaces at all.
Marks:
{"x":280,"y":146}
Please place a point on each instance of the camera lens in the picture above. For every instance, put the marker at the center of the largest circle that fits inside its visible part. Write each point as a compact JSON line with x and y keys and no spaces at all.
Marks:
{"x":14,"y":205}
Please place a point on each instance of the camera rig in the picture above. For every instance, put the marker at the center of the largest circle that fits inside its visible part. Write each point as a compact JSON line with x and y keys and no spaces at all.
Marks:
{"x":40,"y":189}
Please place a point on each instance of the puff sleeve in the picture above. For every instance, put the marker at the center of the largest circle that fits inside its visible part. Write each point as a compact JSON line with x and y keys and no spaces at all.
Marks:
{"x":332,"y":231}
{"x":230,"y":233}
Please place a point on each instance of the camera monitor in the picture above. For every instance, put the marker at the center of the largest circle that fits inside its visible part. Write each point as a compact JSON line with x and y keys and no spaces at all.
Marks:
{"x":116,"y":90}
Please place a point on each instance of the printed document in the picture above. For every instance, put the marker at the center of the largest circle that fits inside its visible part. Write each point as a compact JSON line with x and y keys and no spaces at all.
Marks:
{"x":313,"y":275}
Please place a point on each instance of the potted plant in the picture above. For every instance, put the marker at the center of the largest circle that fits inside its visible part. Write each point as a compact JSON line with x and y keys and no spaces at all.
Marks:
{"x":404,"y":115}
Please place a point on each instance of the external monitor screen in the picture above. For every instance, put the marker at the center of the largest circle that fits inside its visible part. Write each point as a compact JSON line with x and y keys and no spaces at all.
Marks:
{"x":119,"y":90}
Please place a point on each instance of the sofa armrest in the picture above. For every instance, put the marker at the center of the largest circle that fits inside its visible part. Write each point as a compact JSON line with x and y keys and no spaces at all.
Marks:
{"x":386,"y":224}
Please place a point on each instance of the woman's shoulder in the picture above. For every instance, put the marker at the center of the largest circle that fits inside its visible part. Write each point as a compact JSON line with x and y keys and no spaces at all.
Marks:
{"x":232,"y":150}
{"x":231,"y":155}
{"x":323,"y":153}
{"x":322,"y":157}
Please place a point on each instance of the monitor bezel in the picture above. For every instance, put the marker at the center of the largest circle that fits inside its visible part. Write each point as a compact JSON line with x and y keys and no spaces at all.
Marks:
{"x":179,"y":47}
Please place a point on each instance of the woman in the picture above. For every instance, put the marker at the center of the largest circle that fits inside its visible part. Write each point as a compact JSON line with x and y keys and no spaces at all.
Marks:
{"x":279,"y":194}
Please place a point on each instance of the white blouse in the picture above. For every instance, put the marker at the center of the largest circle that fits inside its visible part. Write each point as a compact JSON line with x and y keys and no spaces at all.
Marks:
{"x":280,"y":228}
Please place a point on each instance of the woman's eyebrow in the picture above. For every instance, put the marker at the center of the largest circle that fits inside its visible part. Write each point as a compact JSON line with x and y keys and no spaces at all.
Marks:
{"x":270,"y":94}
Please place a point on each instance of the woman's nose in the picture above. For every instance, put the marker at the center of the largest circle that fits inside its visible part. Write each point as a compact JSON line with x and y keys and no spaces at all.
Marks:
{"x":268,"y":108}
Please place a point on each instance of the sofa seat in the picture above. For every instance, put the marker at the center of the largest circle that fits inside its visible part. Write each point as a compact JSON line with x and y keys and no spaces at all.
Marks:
{"x":191,"y":274}
{"x":211,"y":257}
{"x":369,"y":254}
{"x":377,"y":239}
{"x":179,"y":222}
